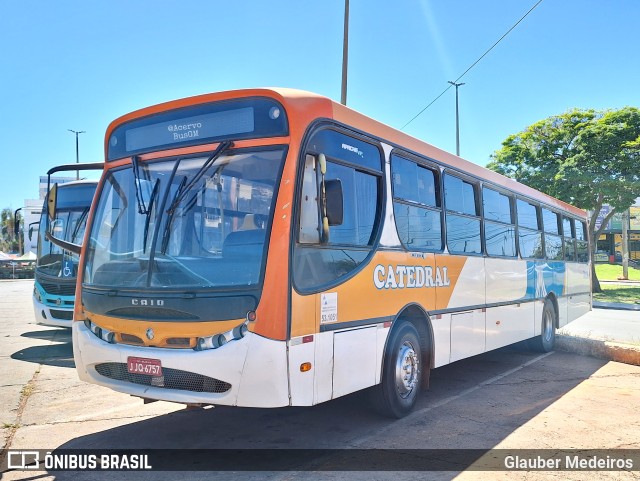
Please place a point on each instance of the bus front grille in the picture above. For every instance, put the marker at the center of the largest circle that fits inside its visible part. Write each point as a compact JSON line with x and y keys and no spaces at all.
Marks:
{"x":54,"y":289}
{"x":171,"y":378}
{"x":59,"y":314}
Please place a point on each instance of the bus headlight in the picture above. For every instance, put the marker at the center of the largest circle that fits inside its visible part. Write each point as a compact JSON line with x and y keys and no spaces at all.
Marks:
{"x":219,"y":340}
{"x":100,"y":333}
{"x":36,"y":294}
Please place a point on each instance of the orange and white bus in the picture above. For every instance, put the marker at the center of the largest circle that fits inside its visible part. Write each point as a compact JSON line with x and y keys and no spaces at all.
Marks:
{"x":271,"y":247}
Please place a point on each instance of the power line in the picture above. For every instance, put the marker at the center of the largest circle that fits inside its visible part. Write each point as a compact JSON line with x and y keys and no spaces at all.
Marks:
{"x":473,"y":65}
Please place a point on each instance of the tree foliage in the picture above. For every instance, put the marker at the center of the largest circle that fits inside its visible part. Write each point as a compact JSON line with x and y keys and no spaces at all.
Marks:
{"x":8,"y":240}
{"x":587,"y":158}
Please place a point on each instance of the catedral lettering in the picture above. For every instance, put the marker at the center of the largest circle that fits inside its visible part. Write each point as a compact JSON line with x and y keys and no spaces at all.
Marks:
{"x":388,"y":277}
{"x":300,"y":251}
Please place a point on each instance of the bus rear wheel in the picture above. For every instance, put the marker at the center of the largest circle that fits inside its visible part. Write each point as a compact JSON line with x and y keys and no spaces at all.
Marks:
{"x":396,"y":395}
{"x":546,"y":341}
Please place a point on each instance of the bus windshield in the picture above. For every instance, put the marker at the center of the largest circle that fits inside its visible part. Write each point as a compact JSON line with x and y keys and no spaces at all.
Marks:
{"x":73,"y":203}
{"x":185,"y":222}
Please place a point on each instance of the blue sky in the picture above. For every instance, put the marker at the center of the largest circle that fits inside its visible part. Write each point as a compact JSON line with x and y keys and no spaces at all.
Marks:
{"x":79,"y":65}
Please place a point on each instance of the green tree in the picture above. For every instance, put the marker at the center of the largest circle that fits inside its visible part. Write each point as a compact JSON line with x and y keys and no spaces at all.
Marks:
{"x":587,"y":158}
{"x":8,"y":240}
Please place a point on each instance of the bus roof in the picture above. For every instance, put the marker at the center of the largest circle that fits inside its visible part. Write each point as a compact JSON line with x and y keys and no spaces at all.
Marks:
{"x":305,"y":106}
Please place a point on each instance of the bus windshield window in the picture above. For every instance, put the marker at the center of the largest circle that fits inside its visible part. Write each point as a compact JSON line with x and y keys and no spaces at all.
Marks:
{"x":69,"y":225}
{"x":206,"y":234}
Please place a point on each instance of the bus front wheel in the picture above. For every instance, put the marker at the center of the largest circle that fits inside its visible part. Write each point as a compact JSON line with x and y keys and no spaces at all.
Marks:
{"x":396,"y":395}
{"x":546,"y":341}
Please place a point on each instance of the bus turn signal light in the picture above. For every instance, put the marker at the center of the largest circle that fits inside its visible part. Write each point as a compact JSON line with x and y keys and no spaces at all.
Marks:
{"x":305,"y":367}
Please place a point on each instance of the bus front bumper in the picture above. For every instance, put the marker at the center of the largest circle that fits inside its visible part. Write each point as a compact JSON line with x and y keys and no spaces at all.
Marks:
{"x":49,"y":316}
{"x":249,"y":372}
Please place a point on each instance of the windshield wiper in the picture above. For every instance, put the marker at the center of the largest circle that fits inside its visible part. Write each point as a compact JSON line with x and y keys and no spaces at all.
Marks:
{"x":142,"y":208}
{"x":147,"y":221}
{"x":184,"y":190}
{"x":167,"y":228}
{"x":79,"y":224}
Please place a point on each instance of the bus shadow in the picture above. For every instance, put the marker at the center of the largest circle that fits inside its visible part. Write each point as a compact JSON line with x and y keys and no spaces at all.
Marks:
{"x":458,"y":412}
{"x":59,"y":355}
{"x":61,"y":334}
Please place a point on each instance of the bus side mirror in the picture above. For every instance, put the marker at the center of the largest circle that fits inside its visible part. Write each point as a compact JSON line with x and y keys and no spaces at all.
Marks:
{"x":51,"y":202}
{"x":335,"y":201}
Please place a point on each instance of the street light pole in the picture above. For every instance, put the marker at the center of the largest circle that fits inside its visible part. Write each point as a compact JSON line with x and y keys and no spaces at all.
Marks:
{"x":456,"y":85}
{"x":77,"y":132}
{"x":345,"y":53}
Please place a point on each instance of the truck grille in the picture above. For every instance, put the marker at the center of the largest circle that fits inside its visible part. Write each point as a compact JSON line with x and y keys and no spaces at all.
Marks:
{"x":171,"y":379}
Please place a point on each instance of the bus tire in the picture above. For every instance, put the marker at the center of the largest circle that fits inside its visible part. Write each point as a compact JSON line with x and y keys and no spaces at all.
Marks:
{"x":397,"y":393}
{"x":546,"y":341}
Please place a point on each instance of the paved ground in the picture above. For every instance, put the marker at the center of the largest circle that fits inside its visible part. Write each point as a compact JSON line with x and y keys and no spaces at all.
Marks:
{"x":510,"y":398}
{"x":607,"y":324}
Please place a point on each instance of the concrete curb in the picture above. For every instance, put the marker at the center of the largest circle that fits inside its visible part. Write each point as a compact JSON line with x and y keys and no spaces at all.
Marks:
{"x":616,"y":305}
{"x":612,"y":351}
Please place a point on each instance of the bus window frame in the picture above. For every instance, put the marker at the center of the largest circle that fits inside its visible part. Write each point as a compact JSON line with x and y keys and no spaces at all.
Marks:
{"x":514,"y":219}
{"x":476,"y":184}
{"x":539,"y":230}
{"x":312,"y":129}
{"x":439,"y":196}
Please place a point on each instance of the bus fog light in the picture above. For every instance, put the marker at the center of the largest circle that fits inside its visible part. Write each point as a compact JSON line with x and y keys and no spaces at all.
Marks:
{"x":210,"y":342}
{"x":240,"y":331}
{"x":107,"y":336}
{"x":100,"y":333}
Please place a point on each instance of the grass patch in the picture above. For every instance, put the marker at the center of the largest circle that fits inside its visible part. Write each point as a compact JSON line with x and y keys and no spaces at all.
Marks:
{"x":618,"y":293}
{"x":611,"y":272}
{"x":27,"y":390}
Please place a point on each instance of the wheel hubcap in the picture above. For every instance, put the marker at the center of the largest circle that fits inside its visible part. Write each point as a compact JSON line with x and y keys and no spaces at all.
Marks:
{"x":548,"y":326}
{"x":406,"y":369}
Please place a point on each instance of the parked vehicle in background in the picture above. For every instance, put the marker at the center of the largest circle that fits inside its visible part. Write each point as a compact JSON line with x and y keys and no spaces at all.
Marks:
{"x":56,"y":268}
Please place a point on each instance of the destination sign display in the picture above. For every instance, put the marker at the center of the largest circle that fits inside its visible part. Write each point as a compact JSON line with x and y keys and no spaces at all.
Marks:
{"x":200,"y":127}
{"x":201,"y":124}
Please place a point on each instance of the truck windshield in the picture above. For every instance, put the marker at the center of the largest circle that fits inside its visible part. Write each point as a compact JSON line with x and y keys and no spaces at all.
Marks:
{"x":211,"y":235}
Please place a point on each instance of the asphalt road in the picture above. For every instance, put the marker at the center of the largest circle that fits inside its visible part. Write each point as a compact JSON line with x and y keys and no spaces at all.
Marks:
{"x":509,"y":398}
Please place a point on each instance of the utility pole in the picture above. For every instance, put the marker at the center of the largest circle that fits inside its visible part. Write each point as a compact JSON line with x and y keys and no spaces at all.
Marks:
{"x":456,"y":85}
{"x":345,"y":54}
{"x":625,"y":245}
{"x":77,"y":150}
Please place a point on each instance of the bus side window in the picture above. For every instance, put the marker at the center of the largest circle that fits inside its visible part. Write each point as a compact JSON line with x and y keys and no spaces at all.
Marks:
{"x":463,"y":218}
{"x":328,"y":250}
{"x":552,"y":239}
{"x":499,"y":226}
{"x":529,"y":232}
{"x":569,"y":239}
{"x":582,"y":242}
{"x":309,"y":232}
{"x":416,"y":205}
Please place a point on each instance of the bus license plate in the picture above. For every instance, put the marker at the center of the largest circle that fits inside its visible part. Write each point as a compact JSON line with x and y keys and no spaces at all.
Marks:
{"x":142,"y":365}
